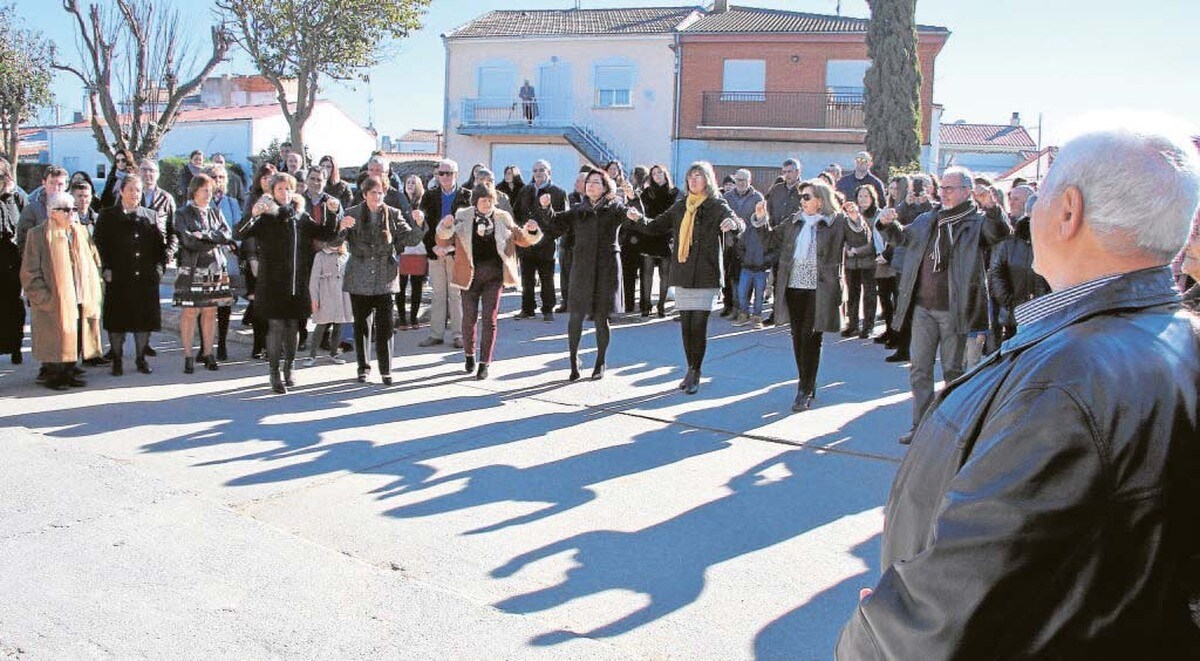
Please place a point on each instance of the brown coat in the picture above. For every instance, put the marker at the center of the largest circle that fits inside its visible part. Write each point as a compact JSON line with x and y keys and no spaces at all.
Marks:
{"x":508,"y":237}
{"x":55,"y":339}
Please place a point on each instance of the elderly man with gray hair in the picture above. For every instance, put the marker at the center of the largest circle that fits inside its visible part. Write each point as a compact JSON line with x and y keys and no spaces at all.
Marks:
{"x":943,"y":281}
{"x":438,"y":203}
{"x":1046,"y":508}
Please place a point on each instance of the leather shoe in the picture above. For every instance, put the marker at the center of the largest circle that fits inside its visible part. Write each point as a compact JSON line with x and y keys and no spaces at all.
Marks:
{"x":898,"y":357}
{"x":75,"y":382}
{"x":482,"y":373}
{"x":574,"y":376}
{"x":598,"y":372}
{"x":144,"y":367}
{"x":189,"y":365}
{"x":469,"y":365}
{"x":210,"y":363}
{"x":150,"y":351}
{"x":801,"y":403}
{"x":906,"y":438}
{"x":693,"y":385}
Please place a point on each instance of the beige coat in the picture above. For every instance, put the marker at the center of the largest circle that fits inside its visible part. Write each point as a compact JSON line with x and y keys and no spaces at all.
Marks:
{"x":508,"y":237}
{"x":54,"y":323}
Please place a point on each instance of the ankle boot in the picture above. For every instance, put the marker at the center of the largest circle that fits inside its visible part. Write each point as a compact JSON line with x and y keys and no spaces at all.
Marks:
{"x":276,"y":382}
{"x":189,"y":365}
{"x":287,"y":374}
{"x":118,"y":369}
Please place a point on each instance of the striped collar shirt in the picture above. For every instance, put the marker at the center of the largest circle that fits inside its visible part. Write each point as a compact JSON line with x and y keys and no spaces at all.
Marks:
{"x":1044,"y":306}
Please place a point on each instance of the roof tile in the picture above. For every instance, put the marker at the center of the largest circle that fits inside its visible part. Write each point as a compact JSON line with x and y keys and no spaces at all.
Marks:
{"x":528,"y":23}
{"x":985,"y":135}
{"x":757,"y":19}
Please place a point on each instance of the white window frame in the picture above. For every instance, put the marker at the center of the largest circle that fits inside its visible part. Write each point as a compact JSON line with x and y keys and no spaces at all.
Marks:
{"x":617,"y":96}
{"x":744,"y":80}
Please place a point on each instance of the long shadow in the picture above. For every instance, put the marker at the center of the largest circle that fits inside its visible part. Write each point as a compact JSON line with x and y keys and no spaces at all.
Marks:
{"x":667,"y":561}
{"x":816,"y":624}
{"x":564,"y":484}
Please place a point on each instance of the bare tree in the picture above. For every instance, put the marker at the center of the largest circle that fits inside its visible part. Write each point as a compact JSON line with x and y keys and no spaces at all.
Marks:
{"x":305,"y":40}
{"x":134,"y":62}
{"x":25,"y":57}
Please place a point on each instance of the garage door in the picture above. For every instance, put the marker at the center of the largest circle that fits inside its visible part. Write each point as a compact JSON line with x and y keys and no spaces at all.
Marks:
{"x":564,"y":161}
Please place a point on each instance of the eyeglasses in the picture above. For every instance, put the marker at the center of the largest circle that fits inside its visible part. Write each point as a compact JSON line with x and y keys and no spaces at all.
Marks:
{"x":947,"y":187}
{"x":541,"y":170}
{"x":63,"y":209}
{"x":443,"y":173}
{"x":804,"y":197}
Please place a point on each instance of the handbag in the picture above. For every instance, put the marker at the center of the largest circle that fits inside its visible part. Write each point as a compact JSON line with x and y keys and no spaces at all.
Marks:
{"x":412,"y":264}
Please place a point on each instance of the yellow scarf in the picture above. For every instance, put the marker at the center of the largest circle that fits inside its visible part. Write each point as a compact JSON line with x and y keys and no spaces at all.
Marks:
{"x":686,"y":225}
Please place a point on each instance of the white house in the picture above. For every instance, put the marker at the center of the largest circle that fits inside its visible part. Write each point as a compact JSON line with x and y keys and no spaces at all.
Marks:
{"x":603,"y":80}
{"x":237,"y":131}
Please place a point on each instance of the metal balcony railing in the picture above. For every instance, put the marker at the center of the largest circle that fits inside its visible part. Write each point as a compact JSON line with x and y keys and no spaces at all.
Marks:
{"x":512,"y":111}
{"x":834,"y":109}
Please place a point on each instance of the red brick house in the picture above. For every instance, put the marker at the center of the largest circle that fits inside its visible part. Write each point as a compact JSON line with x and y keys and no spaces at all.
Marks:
{"x":760,"y":85}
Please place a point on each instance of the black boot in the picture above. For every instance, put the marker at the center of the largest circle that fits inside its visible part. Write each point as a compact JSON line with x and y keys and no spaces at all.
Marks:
{"x":189,"y":365}
{"x":118,"y":369}
{"x":287,"y":374}
{"x":469,"y":365}
{"x":222,"y":334}
{"x":276,"y":382}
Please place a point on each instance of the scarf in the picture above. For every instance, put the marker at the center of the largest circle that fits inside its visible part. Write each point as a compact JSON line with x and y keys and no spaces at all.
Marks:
{"x":943,"y":240}
{"x":688,"y":224}
{"x":66,"y":262}
{"x":755,"y":221}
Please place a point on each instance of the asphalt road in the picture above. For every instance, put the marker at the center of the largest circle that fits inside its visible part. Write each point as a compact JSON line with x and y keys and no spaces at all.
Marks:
{"x":191,"y":516}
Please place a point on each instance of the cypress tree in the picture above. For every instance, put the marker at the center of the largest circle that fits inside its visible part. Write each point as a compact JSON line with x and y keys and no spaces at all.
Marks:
{"x":893,"y":85}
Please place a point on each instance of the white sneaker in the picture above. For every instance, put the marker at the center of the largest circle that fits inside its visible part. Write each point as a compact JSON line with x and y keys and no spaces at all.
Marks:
{"x":337,"y":359}
{"x":310,"y":361}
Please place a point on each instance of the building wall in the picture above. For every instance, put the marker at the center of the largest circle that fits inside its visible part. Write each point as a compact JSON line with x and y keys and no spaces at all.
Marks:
{"x":501,"y":150}
{"x":761,"y":154}
{"x":639,"y":134}
{"x":794,"y":63}
{"x":75,"y":148}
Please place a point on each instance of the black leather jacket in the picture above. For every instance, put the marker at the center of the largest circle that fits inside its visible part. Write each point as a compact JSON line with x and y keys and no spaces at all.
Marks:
{"x":1047,"y":506}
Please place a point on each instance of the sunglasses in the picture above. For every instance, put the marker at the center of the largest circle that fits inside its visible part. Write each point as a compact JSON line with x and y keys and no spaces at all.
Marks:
{"x":804,"y":197}
{"x":63,"y":209}
{"x":441,"y":173}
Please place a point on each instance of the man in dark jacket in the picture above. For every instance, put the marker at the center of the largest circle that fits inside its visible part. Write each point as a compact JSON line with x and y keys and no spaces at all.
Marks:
{"x":1047,"y":507}
{"x":439,"y":202}
{"x":1011,"y":278}
{"x":537,"y":261}
{"x":861,"y":176}
{"x":943,"y":281}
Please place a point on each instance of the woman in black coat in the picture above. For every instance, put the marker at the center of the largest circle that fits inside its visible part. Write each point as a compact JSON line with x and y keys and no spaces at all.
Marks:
{"x":285,"y":234}
{"x":657,"y":197}
{"x":698,"y":226}
{"x":595,"y":274}
{"x":12,"y":308}
{"x":133,"y":255}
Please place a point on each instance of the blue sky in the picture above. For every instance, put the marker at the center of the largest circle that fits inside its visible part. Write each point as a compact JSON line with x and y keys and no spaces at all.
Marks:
{"x":1060,"y":58}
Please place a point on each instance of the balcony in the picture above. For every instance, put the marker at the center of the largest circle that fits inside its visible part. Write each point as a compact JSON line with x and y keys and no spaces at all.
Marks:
{"x":501,"y":112}
{"x":822,"y":111}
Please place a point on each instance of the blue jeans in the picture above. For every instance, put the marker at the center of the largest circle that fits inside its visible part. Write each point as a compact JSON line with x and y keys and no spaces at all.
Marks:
{"x":748,"y":279}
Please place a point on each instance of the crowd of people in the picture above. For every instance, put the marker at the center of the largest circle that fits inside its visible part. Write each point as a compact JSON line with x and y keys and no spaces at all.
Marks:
{"x":1058,"y":477}
{"x":930,"y":267}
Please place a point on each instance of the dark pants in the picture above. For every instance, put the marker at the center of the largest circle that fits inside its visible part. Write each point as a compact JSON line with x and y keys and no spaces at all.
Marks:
{"x":860,"y":285}
{"x":380,"y":307}
{"x":663,"y":264}
{"x":733,"y":273}
{"x":541,"y":271}
{"x":282,"y":338}
{"x":806,"y":343}
{"x":575,"y":332}
{"x":694,"y":328}
{"x":223,"y":314}
{"x":485,"y":288}
{"x":116,"y":342}
{"x":335,"y":331}
{"x":631,"y":269}
{"x":12,"y":311}
{"x":885,"y":288}
{"x":417,"y":283}
{"x":565,"y":258}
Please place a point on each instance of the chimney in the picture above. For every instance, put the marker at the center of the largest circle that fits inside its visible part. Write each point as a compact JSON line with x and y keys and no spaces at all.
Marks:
{"x":1016,"y":119}
{"x":720,"y":6}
